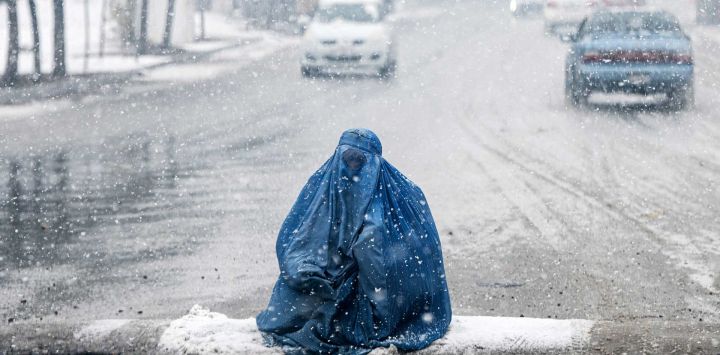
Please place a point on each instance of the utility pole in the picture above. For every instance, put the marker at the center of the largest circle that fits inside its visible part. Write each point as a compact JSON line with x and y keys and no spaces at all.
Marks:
{"x":103,"y":21}
{"x":86,"y":6}
{"x":36,"y":38}
{"x":59,"y":38}
{"x":11,"y":69}
{"x":169,"y":19}
{"x":142,"y":41}
{"x":202,"y":6}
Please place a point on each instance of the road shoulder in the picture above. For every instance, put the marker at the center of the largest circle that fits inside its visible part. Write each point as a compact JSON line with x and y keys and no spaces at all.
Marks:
{"x":203,"y":331}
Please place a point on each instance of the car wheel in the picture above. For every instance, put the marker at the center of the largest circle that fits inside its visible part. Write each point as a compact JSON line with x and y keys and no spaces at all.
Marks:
{"x":575,"y":91}
{"x":388,"y":70}
{"x":308,"y":72}
{"x":549,"y":29}
{"x":683,"y":98}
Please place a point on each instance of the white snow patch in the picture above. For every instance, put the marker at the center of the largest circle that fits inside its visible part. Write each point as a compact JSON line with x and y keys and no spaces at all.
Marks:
{"x":11,"y":113}
{"x":202,"y":331}
{"x":224,"y":61}
{"x":100,"y":329}
{"x":688,"y":254}
{"x":518,"y":334}
{"x":265,"y":43}
{"x":208,"y":46}
{"x":186,"y":72}
{"x":205,"y":332}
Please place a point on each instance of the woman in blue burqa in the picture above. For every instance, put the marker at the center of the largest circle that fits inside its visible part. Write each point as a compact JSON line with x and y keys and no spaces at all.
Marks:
{"x":360,"y":260}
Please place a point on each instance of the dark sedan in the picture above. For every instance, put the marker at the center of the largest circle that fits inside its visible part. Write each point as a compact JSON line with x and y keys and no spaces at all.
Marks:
{"x":638,"y":52}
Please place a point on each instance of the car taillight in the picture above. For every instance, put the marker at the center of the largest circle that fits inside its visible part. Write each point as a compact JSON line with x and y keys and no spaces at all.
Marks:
{"x":551,"y":3}
{"x":681,"y":58}
{"x":592,"y":57}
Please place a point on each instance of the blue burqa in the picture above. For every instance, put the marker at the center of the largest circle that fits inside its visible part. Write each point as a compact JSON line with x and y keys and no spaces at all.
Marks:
{"x":360,"y":260}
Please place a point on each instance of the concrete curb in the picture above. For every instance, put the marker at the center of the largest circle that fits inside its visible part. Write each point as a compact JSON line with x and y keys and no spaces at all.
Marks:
{"x":469,"y":335}
{"x":105,"y":336}
{"x":655,"y":337}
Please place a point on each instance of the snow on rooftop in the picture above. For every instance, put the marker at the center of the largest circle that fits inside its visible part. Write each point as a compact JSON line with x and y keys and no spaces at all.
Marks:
{"x":203,"y":331}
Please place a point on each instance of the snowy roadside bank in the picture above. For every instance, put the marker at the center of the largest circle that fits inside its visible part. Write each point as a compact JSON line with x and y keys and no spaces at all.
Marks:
{"x":111,"y":70}
{"x":200,"y":61}
{"x":228,"y":41}
{"x":94,"y":73}
{"x":96,"y":39}
{"x":203,"y":332}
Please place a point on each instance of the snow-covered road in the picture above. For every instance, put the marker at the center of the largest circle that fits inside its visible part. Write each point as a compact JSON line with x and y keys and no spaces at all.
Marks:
{"x":169,"y":195}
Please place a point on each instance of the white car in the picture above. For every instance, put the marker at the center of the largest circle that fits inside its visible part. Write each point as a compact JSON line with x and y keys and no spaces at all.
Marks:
{"x":347,"y":37}
{"x":566,"y":13}
{"x":526,"y":7}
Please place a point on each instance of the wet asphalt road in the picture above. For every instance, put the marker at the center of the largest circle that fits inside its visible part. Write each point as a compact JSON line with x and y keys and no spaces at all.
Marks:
{"x":144,"y":202}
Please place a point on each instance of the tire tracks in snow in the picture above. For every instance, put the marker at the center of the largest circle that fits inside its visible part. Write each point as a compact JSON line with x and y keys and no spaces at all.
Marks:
{"x":669,"y":204}
{"x":524,"y":162}
{"x":556,"y":180}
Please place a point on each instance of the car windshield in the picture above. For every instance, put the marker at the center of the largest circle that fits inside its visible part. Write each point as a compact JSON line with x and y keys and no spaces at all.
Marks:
{"x":642,"y":23}
{"x":347,"y":12}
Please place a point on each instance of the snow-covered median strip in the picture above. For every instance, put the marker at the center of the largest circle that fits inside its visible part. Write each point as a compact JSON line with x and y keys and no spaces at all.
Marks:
{"x":202,"y":331}
{"x":469,"y":333}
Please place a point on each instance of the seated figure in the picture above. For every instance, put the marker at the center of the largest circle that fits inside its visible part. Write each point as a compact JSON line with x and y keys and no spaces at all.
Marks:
{"x":360,"y":260}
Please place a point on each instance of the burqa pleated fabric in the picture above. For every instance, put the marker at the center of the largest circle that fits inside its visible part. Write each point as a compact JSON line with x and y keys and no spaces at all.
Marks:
{"x":360,"y":260}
